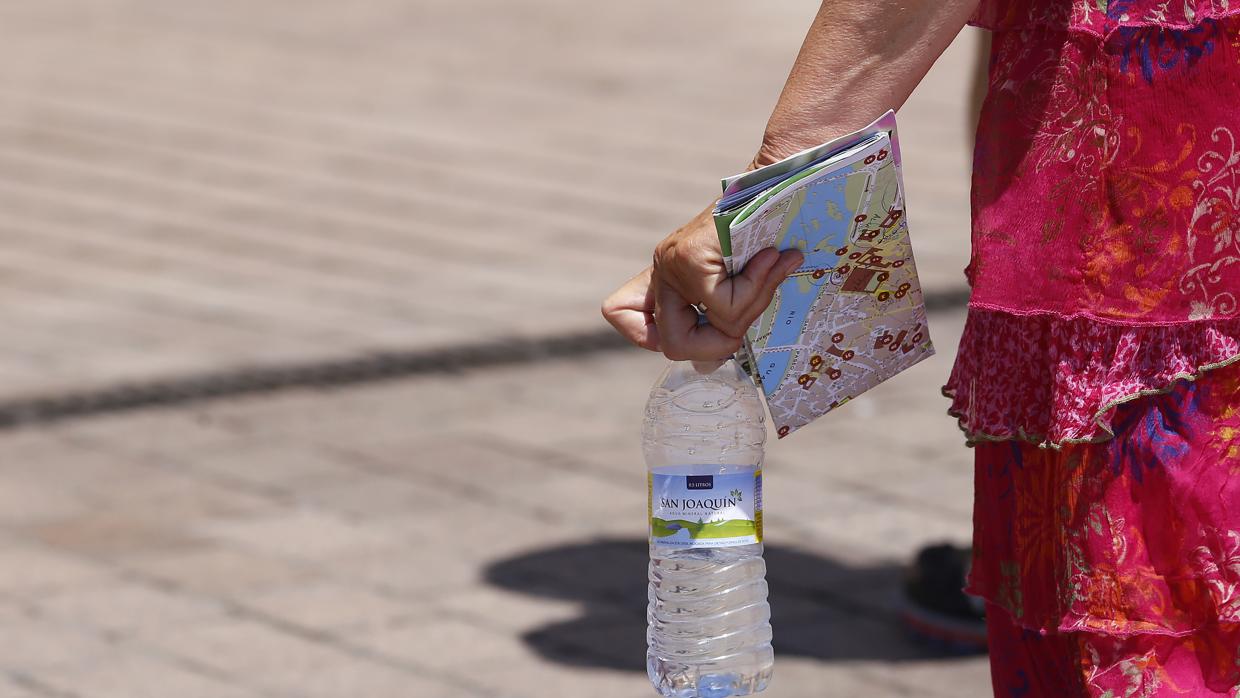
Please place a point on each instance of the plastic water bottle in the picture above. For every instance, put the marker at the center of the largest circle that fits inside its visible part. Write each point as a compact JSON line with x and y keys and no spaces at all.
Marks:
{"x":709,"y":630}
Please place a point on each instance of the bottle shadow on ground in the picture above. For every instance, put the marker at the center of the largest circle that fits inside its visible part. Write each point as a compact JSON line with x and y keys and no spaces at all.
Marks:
{"x":820,"y":608}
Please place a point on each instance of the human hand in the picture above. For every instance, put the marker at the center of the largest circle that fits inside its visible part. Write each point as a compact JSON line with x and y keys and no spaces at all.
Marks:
{"x":655,"y":309}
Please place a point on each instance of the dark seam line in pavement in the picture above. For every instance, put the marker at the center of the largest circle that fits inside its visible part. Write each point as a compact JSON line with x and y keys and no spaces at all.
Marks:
{"x":333,"y":373}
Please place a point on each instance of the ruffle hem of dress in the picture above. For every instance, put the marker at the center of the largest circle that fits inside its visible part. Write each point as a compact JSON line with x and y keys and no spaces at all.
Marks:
{"x":1054,"y":381}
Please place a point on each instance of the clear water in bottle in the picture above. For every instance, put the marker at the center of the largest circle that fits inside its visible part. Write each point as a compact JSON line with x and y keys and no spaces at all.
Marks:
{"x":709,"y":631}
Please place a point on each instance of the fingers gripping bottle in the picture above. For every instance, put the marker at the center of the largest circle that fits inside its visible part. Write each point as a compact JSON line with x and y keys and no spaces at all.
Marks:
{"x":709,"y":631}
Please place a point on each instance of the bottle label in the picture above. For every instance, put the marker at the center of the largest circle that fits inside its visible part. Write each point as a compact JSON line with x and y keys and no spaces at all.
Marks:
{"x":692,"y":507}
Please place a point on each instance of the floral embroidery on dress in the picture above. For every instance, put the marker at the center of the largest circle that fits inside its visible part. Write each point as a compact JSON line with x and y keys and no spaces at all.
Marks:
{"x":1142,"y":676}
{"x":1068,"y":119}
{"x":1214,"y":229}
{"x":1106,"y":214}
{"x":1219,"y":563}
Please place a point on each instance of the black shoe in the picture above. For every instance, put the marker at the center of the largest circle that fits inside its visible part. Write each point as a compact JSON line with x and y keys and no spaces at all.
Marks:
{"x":935,"y":605}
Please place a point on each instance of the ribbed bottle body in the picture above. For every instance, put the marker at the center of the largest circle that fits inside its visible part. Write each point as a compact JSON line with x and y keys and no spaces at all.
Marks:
{"x":709,"y":633}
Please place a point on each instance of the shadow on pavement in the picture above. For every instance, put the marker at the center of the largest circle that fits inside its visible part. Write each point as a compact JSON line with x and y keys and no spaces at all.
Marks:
{"x":821,"y":608}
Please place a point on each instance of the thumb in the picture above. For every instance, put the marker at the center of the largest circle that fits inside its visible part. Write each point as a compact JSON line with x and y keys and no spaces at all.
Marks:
{"x":789,"y":261}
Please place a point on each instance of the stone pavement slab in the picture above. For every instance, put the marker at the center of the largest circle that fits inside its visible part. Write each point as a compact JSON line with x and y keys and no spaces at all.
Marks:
{"x":508,"y":561}
{"x":141,"y":676}
{"x":189,"y":187}
{"x":197,"y":187}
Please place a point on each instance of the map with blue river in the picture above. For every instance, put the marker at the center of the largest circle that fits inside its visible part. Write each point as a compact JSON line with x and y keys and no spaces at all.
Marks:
{"x":852,"y":314}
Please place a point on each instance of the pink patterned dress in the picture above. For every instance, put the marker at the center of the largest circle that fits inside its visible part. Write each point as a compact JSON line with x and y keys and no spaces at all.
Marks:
{"x":1093,"y":375}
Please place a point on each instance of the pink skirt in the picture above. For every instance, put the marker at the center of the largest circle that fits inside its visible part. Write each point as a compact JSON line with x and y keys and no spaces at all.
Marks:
{"x":1113,"y":568}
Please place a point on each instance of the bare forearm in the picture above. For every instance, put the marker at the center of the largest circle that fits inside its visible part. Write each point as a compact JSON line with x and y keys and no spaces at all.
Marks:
{"x":859,"y":59}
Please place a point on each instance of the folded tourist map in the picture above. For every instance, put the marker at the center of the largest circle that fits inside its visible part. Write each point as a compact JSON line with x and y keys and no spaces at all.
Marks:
{"x":852,"y":315}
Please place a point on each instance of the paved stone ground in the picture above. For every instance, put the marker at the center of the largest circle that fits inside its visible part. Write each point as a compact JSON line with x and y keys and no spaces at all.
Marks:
{"x":190,"y":187}
{"x":187,"y":186}
{"x":469,"y":535}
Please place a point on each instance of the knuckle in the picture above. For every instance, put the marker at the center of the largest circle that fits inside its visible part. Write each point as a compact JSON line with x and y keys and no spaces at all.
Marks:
{"x":665,"y":251}
{"x":610,"y":308}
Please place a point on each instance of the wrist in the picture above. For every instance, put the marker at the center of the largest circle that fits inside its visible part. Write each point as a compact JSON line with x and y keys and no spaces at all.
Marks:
{"x":774,"y":149}
{"x":788,"y":136}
